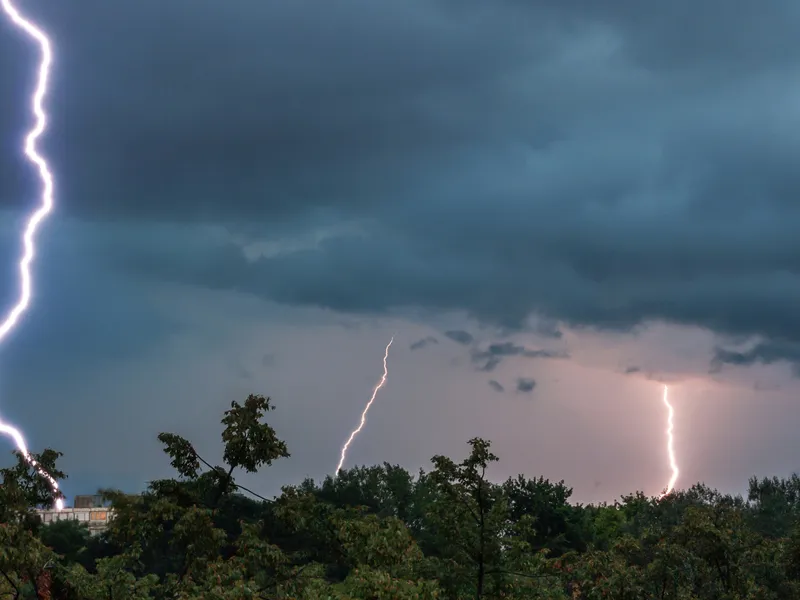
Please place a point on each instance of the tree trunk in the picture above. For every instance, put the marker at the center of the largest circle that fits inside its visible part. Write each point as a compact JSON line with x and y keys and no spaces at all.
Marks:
{"x":482,"y":550}
{"x":42,"y":585}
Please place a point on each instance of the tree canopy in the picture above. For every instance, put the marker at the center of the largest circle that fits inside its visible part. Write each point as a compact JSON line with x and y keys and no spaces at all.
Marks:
{"x":383,"y":533}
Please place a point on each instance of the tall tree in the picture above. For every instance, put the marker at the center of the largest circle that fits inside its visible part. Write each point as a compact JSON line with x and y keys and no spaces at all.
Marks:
{"x":468,"y":518}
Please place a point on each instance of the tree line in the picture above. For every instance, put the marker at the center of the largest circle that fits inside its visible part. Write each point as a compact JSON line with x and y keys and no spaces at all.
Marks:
{"x":383,"y":533}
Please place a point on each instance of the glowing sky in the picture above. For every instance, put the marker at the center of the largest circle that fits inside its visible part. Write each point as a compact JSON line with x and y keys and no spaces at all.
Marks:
{"x":575,"y":200}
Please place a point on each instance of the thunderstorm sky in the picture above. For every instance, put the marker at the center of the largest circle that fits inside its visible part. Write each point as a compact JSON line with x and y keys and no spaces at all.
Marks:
{"x":555,"y":205}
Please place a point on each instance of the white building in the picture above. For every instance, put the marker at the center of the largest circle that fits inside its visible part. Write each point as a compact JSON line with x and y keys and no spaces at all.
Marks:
{"x":95,"y":518}
{"x":87,"y":509}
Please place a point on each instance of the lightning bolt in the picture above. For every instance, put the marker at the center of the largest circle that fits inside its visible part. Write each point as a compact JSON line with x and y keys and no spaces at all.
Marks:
{"x":45,"y":207}
{"x":670,"y":450}
{"x":358,"y":429}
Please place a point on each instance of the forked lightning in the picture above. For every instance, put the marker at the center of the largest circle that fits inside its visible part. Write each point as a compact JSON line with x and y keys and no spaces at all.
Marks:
{"x":670,"y":449}
{"x":45,"y":206}
{"x":356,"y":431}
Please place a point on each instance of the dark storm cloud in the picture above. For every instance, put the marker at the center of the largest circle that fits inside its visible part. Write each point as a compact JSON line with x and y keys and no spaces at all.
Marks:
{"x":765,"y":353}
{"x":460,"y":337}
{"x":525,"y":385}
{"x":206,"y":109}
{"x":594,"y":164}
{"x":490,"y":357}
{"x":496,"y":386}
{"x":426,"y":341}
{"x":631,"y":370}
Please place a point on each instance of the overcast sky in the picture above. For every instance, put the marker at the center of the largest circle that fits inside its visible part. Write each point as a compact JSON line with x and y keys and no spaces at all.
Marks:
{"x":553,"y":205}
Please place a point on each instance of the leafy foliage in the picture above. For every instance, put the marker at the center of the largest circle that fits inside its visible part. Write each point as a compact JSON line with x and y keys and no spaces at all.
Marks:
{"x":382,"y":533}
{"x":250,"y":444}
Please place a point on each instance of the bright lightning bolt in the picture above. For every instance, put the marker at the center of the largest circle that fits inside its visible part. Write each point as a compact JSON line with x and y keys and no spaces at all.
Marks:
{"x":670,"y":450}
{"x":46,"y":205}
{"x":358,"y":429}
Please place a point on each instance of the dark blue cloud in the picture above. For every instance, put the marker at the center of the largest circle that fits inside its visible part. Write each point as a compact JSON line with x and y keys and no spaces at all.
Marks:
{"x":655,"y":180}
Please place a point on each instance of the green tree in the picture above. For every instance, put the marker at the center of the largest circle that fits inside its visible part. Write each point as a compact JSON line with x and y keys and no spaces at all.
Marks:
{"x":479,"y":549}
{"x":376,"y":533}
{"x":173,"y":529}
{"x":386,"y":561}
{"x":558,"y":526}
{"x":386,"y":490}
{"x":69,"y":539}
{"x":774,"y":504}
{"x":23,"y":562}
{"x":23,"y":557}
{"x":23,"y":488}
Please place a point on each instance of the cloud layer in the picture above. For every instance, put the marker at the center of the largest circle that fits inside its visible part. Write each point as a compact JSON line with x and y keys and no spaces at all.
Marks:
{"x":594,"y":164}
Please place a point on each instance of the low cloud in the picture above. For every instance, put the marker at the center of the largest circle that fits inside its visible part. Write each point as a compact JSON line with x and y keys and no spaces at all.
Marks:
{"x":632,"y":370}
{"x":765,"y":353}
{"x":525,"y":385}
{"x":489,"y":358}
{"x":460,"y":337}
{"x":426,"y":341}
{"x":496,"y":386}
